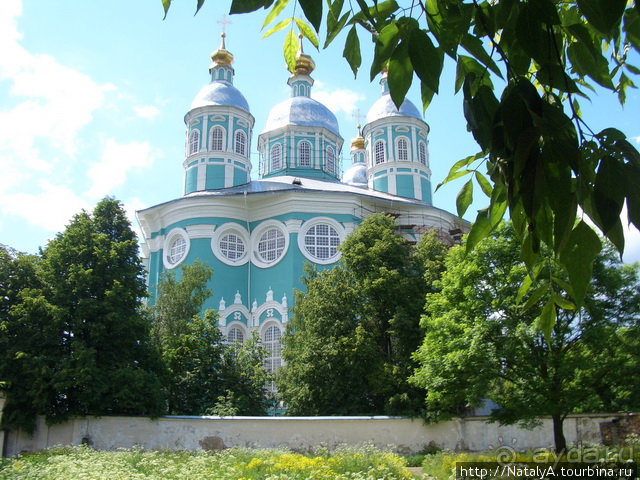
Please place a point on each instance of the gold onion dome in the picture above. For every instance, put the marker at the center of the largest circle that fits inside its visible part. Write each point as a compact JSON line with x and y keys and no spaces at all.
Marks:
{"x":358,"y":142}
{"x":304,"y":63}
{"x":222,"y":57}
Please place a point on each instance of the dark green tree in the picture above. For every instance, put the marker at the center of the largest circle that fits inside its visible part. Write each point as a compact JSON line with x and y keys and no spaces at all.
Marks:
{"x":480,"y":343}
{"x":348,"y":347}
{"x":200,"y":370}
{"x":76,"y":334}
{"x":522,"y":67}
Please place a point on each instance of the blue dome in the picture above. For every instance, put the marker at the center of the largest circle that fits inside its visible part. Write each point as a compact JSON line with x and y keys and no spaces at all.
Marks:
{"x":220,"y":93}
{"x":302,"y":111}
{"x":356,"y":175}
{"x":384,"y":107}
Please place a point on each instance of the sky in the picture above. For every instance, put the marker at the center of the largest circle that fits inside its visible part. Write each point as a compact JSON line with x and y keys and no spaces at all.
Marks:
{"x":93,"y":96}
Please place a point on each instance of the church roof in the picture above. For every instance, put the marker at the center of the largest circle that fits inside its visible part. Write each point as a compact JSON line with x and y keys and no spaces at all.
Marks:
{"x":384,"y":107}
{"x":303,"y":111}
{"x":220,"y":93}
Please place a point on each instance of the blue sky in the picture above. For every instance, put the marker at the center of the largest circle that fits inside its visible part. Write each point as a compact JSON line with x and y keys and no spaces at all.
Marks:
{"x":93,"y":95}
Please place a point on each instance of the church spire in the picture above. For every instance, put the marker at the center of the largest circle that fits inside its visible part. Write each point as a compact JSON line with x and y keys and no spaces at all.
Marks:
{"x":300,"y":81}
{"x":221,"y":61}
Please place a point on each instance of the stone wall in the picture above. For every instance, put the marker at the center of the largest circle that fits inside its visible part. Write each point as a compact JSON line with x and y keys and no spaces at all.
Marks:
{"x":305,"y":433}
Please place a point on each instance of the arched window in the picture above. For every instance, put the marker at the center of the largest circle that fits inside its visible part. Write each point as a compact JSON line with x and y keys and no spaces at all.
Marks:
{"x":304,"y":154}
{"x":403,"y":150}
{"x":331,"y":160}
{"x":241,"y":143}
{"x":271,"y":342}
{"x":216,"y":140}
{"x":276,"y":157}
{"x":422,"y":153}
{"x":235,"y":335}
{"x":194,"y":141}
{"x":378,"y":151}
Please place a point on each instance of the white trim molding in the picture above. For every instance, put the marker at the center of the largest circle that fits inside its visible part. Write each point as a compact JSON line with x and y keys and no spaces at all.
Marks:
{"x":241,"y":233}
{"x":340,"y":230}
{"x":172,"y":236}
{"x":257,"y":233}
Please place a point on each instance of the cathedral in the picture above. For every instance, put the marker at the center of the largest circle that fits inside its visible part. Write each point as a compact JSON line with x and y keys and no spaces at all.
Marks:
{"x":258,"y":234}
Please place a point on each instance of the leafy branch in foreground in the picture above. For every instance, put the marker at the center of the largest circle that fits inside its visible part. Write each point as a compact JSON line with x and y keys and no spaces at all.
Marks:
{"x":522,"y":67}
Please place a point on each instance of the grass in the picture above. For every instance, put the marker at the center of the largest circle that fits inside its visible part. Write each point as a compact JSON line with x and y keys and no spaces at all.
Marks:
{"x":83,"y":463}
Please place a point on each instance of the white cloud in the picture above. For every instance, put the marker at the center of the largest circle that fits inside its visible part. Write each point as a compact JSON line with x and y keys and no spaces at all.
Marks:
{"x":637,"y":139}
{"x":340,"y":99}
{"x":46,"y":106}
{"x":148,"y":112}
{"x":51,"y":208}
{"x":132,"y":205}
{"x":116,"y":162}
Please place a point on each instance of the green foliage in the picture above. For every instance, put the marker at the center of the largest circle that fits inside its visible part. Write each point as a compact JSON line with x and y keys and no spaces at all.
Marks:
{"x":232,"y":464}
{"x":75,"y":341}
{"x":203,"y":375}
{"x":348,"y":348}
{"x":523,"y":68}
{"x":481,"y":342}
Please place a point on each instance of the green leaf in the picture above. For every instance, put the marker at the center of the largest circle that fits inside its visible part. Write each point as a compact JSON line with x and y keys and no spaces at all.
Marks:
{"x":486,"y":187}
{"x":480,"y":229}
{"x":165,"y":5}
{"x":313,"y":11}
{"x":563,"y":303}
{"x":279,"y":26}
{"x":352,"y":50}
{"x":199,"y":6}
{"x":246,"y":6}
{"x":333,"y":32}
{"x":585,"y":62}
{"x":632,"y":26}
{"x":453,"y":176}
{"x":604,"y":15}
{"x":426,"y":95}
{"x":524,"y":288}
{"x":474,"y":46}
{"x":535,"y":296}
{"x":467,"y":65}
{"x":608,"y":196}
{"x":577,"y":257}
{"x":307,"y":32}
{"x":426,"y":59}
{"x":385,"y":44}
{"x":290,"y":48}
{"x":547,"y":319}
{"x":275,"y":11}
{"x":464,"y":198}
{"x":498,"y":205}
{"x":400,"y":73}
{"x":554,"y":76}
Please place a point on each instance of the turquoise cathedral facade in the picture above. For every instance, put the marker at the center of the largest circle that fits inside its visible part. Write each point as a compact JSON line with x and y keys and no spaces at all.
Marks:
{"x":258,"y":234}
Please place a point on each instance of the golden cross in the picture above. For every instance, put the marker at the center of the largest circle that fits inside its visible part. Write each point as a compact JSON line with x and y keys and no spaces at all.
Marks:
{"x":224,"y":22}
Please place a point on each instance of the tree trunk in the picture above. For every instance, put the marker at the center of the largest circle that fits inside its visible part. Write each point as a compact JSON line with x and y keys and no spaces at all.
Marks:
{"x":558,"y":433}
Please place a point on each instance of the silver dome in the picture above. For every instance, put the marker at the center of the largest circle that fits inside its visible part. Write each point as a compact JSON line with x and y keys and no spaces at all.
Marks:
{"x":220,"y":93}
{"x":356,"y":175}
{"x":303,"y":111}
{"x":384,"y":107}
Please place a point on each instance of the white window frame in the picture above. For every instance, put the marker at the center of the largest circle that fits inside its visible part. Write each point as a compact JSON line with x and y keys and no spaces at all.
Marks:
{"x":330,"y":155}
{"x":256,"y":235}
{"x":422,"y":153}
{"x":308,"y":225}
{"x":223,"y":133}
{"x":173,"y":235}
{"x":402,"y":151}
{"x":219,"y":234}
{"x":309,"y":160}
{"x":239,"y":326}
{"x":194,"y":141}
{"x":263,"y":337}
{"x":277,"y":147}
{"x":240,"y":146}
{"x":383,"y":151}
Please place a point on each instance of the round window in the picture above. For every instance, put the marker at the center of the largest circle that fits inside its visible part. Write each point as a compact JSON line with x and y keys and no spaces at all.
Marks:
{"x":271,"y":245}
{"x":232,"y":246}
{"x":177,"y":250}
{"x":321,"y":241}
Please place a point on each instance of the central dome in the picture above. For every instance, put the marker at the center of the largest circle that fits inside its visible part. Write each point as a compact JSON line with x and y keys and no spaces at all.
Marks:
{"x":384,"y":107}
{"x":220,"y":93}
{"x":303,"y":111}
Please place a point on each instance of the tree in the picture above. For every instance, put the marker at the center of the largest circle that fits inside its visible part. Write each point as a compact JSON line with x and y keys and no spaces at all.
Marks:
{"x":76,"y":341}
{"x":348,"y":347}
{"x":201,"y":372}
{"x":521,"y":66}
{"x":480,"y":343}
